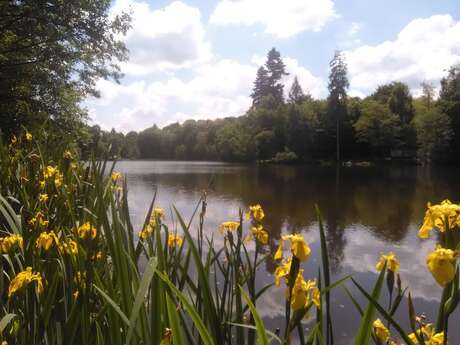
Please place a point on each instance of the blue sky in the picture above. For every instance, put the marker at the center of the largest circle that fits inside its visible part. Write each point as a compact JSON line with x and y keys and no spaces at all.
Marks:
{"x":197,"y":59}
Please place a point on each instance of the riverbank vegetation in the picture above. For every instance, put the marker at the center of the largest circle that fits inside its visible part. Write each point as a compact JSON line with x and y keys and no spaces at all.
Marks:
{"x":75,"y":270}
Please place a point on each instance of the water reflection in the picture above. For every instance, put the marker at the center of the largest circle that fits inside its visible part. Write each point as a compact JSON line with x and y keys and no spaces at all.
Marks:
{"x":366,"y":211}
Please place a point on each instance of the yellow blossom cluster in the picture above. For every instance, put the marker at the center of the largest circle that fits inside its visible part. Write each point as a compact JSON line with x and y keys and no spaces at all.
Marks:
{"x":23,"y":279}
{"x":158,"y":214}
{"x":10,"y":243}
{"x":52,"y":172}
{"x":39,"y":219}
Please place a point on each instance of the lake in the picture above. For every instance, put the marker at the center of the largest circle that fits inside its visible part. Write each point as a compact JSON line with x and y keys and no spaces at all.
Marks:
{"x":367,"y":211}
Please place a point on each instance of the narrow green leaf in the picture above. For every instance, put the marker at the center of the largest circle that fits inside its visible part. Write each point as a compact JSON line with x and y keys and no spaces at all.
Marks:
{"x":199,"y":324}
{"x":140,"y":296}
{"x":365,"y":327}
{"x":5,"y":321}
{"x":261,"y":334}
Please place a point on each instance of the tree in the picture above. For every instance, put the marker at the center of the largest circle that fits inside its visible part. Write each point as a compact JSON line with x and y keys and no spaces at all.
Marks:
{"x":449,"y":101}
{"x":296,"y":94}
{"x":268,"y":79}
{"x":428,"y":93}
{"x":433,"y":130}
{"x":378,"y":127}
{"x":337,"y":100}
{"x":130,"y":147}
{"x":260,"y":89}
{"x":398,"y":98}
{"x":51,"y":55}
{"x":276,"y":71}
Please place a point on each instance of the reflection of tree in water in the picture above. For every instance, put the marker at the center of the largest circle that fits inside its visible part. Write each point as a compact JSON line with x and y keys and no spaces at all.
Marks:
{"x":386,"y":200}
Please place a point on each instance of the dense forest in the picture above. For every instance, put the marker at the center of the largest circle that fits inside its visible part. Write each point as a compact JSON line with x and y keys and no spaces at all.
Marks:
{"x":389,"y":123}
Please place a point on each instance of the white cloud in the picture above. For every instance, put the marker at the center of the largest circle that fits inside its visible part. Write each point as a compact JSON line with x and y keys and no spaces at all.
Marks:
{"x":168,"y":38}
{"x":355,"y":27}
{"x":423,"y":50}
{"x":280,"y":18}
{"x":309,"y":83}
{"x":216,"y":89}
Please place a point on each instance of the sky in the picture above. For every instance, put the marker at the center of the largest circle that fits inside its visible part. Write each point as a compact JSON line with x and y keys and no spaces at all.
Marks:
{"x":197,"y":59}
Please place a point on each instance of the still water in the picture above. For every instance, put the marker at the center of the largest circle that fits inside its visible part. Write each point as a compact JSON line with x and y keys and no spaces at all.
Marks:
{"x":367,"y":211}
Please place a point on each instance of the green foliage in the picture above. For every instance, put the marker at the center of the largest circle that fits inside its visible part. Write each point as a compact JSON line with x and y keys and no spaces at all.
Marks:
{"x":434,"y":132}
{"x":51,"y":54}
{"x":268,"y":81}
{"x":296,"y":94}
{"x":377,"y":127}
{"x":449,"y":101}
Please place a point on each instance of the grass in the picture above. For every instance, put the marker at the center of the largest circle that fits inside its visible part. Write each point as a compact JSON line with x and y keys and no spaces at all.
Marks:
{"x":104,"y":283}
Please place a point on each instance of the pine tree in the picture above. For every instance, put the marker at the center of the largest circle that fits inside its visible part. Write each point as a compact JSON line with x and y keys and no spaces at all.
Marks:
{"x":338,"y":85}
{"x":276,"y":70}
{"x":296,"y":94}
{"x":260,"y":89}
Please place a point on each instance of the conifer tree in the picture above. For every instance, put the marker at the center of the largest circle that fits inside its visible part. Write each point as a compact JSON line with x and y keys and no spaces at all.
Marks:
{"x":260,"y":88}
{"x":296,"y":94}
{"x":338,"y":85}
{"x":276,"y":70}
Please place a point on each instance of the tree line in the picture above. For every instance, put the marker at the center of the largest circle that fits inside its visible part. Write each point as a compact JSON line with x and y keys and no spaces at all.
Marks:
{"x":389,"y":123}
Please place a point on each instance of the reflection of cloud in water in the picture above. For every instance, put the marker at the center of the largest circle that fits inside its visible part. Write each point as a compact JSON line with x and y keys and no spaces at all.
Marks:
{"x":363,"y":251}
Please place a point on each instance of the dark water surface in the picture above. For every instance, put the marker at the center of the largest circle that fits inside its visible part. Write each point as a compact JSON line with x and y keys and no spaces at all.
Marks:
{"x":367,"y":211}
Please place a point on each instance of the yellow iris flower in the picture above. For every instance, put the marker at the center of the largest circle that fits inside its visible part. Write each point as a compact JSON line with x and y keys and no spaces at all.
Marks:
{"x":39,"y":219}
{"x":228,"y":226}
{"x":256,"y":212}
{"x":23,"y":279}
{"x":115,"y":176}
{"x":43,"y":197}
{"x":157,"y":214}
{"x":381,"y":332}
{"x":429,"y":336}
{"x":282,"y":271}
{"x":303,"y":292}
{"x":87,"y":231}
{"x":145,"y":233}
{"x":259,"y":233}
{"x":71,"y":247}
{"x":28,"y":136}
{"x":46,"y":240}
{"x":67,"y":154}
{"x":299,"y":247}
{"x":441,"y":216}
{"x":440,"y":263}
{"x":11,"y":242}
{"x":174,"y":241}
{"x":390,"y":259}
